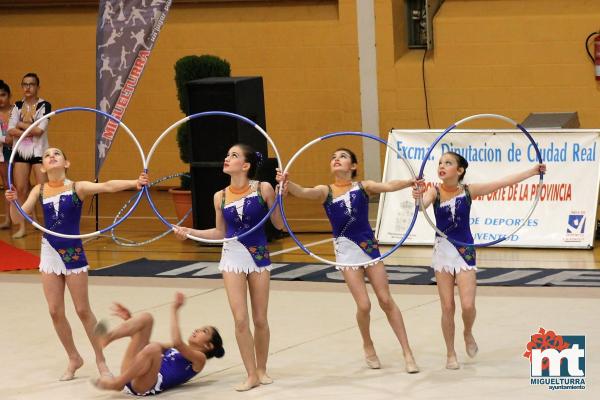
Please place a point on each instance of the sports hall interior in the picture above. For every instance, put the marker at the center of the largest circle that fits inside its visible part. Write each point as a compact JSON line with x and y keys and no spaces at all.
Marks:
{"x":508,"y":57}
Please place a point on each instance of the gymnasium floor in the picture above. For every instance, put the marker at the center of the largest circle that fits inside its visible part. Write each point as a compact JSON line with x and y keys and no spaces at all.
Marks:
{"x":315,"y":345}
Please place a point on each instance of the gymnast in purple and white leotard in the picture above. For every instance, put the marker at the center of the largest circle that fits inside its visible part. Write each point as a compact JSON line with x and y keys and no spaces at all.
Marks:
{"x":150,"y":368}
{"x":456,"y":264}
{"x":346,"y":204}
{"x":245,"y":263}
{"x":63,"y":263}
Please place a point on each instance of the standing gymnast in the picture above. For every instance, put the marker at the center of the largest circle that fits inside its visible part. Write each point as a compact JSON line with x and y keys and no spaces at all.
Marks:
{"x":29,"y":154}
{"x":245,"y":263}
{"x":5,"y":143}
{"x":346,"y":204}
{"x":63,"y":261}
{"x":150,"y":367}
{"x":452,"y":263}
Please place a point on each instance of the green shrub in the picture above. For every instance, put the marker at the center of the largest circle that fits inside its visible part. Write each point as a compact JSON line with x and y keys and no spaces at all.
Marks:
{"x":190,"y":68}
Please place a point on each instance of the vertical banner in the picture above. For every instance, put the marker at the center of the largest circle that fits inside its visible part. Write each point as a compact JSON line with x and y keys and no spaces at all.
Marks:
{"x":127,"y":31}
{"x":565,"y":216}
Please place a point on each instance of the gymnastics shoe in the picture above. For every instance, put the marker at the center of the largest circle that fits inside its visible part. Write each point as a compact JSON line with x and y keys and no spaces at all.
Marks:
{"x":246,"y":385}
{"x":373,"y":362}
{"x":67,"y":376}
{"x":452,"y":363}
{"x":265,"y":379}
{"x":411,"y":366}
{"x":472,"y":349}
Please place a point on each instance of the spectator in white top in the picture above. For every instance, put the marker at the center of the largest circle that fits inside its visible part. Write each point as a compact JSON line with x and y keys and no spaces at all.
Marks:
{"x":5,"y":143}
{"x":29,"y":152}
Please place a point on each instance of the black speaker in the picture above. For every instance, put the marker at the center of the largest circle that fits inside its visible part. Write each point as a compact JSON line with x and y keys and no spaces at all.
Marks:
{"x":212,"y":136}
{"x":206,"y":180}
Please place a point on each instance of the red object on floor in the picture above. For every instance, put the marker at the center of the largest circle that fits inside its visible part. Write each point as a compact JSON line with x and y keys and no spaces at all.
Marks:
{"x":12,"y":258}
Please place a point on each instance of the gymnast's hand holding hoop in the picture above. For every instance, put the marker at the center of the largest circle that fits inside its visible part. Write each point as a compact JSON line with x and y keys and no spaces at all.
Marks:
{"x":426,"y":197}
{"x":217,"y":233}
{"x":323,"y":192}
{"x":282,"y":181}
{"x":483,"y":189}
{"x":12,"y":197}
{"x":181,"y":232}
{"x":11,"y":194}
{"x":49,"y":163}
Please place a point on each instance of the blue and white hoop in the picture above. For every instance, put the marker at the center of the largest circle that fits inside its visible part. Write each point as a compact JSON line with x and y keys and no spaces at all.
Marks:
{"x":200,"y":115}
{"x":535,"y":201}
{"x":36,"y":123}
{"x":132,"y":243}
{"x":295,"y":238}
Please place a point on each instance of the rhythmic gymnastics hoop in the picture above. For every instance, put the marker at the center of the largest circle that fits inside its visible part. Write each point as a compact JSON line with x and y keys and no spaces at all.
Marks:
{"x":201,"y":115}
{"x":131,"y":243}
{"x":293,"y":235}
{"x":535,"y":201}
{"x":36,"y":123}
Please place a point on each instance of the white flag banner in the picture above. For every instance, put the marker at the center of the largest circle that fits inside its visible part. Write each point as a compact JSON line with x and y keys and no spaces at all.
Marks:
{"x":565,"y":216}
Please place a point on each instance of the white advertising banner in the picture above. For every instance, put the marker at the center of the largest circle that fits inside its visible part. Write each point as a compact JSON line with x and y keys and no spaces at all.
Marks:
{"x":565,"y":216}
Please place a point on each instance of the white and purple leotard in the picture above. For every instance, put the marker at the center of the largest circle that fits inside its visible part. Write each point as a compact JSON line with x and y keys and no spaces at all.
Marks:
{"x":175,"y":370}
{"x":62,"y":214}
{"x":349,"y":217}
{"x":452,"y":218}
{"x":250,"y":253}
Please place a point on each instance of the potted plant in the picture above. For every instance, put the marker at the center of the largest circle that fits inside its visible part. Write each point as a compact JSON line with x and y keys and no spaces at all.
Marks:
{"x":187,"y":69}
